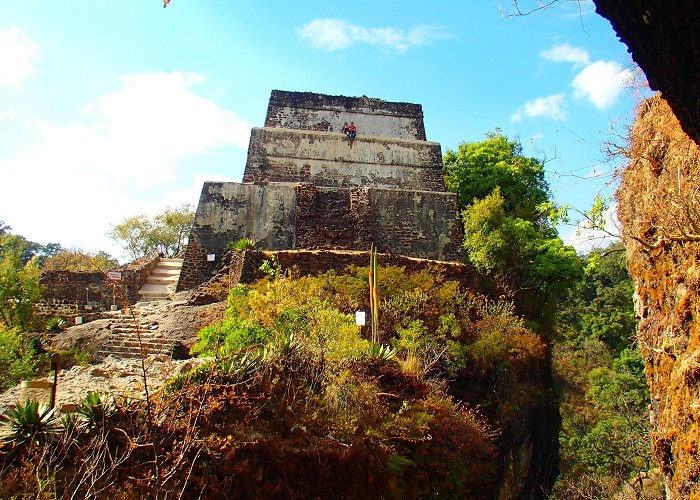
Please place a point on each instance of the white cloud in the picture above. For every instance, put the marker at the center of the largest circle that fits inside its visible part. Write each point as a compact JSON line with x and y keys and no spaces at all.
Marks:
{"x":548,"y":107}
{"x":566,"y":53}
{"x":601,"y":83}
{"x":584,"y":239}
{"x":123,"y":159}
{"x":338,"y":34}
{"x":17,"y":55}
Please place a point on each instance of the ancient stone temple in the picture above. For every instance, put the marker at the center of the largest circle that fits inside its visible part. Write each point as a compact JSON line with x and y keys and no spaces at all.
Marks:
{"x":306,"y":186}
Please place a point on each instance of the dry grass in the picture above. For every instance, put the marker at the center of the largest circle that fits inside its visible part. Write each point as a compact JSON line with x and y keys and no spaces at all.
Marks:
{"x":659,"y":207}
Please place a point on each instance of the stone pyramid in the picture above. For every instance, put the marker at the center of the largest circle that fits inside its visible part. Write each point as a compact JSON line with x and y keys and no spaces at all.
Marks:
{"x":306,"y":186}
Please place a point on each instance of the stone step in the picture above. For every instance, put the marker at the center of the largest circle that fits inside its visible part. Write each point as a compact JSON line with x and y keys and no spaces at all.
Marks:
{"x":153,"y":289}
{"x":131,"y":355}
{"x":132,"y":332}
{"x":170,"y":263}
{"x":148,"y":297}
{"x":165,"y":272}
{"x":135,"y":344}
{"x":146,"y":349}
{"x":160,"y":284}
{"x":149,"y":334}
{"x":161,"y":280}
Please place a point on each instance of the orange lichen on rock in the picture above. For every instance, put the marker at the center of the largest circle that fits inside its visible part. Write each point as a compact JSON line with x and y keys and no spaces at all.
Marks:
{"x":659,"y":207}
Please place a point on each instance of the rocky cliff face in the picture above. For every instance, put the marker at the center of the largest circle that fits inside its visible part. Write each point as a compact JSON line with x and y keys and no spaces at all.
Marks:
{"x":659,"y":207}
{"x":662,"y":38}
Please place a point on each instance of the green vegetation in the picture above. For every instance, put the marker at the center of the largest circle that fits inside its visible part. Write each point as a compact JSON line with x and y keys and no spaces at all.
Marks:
{"x":19,"y":282}
{"x":506,"y":208}
{"x":19,"y":357}
{"x":140,"y":236}
{"x":477,"y":168}
{"x":434,"y":327}
{"x":31,"y":423}
{"x":291,"y":382}
{"x":78,"y":260}
{"x":26,"y":250}
{"x":94,"y":409}
{"x":241,"y":245}
{"x":604,"y":440}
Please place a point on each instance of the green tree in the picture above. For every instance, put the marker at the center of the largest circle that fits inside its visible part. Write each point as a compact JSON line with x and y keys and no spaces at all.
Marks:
{"x":599,"y":306}
{"x":79,"y":260}
{"x":172,"y":228}
{"x":477,"y":168}
{"x":18,"y":357}
{"x":19,"y":283}
{"x":26,"y":249}
{"x":140,"y":236}
{"x":605,"y":423}
{"x":508,"y":235}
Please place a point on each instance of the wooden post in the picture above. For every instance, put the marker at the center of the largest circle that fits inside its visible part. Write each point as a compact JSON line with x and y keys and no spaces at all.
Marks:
{"x":55,"y":367}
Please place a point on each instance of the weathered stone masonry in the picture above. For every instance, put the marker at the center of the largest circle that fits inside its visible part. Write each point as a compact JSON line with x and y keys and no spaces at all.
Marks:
{"x":306,"y":187}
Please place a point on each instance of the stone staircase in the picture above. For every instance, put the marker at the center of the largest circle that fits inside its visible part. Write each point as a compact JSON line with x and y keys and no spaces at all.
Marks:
{"x":161,"y":283}
{"x":124,"y":339}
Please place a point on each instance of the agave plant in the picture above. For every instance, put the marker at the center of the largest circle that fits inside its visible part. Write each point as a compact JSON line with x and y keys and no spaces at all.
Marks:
{"x":55,"y":324}
{"x":288,"y":344}
{"x":241,"y":365}
{"x":241,"y":245}
{"x":383,"y":352}
{"x":31,"y":422}
{"x":94,"y":408}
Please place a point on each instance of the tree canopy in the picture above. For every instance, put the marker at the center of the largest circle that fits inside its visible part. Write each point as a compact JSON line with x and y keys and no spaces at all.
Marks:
{"x":139,"y":235}
{"x":507,"y":234}
{"x":604,"y":398}
{"x":477,"y":168}
{"x":19,"y":282}
{"x":78,"y":260}
{"x":24,"y":248}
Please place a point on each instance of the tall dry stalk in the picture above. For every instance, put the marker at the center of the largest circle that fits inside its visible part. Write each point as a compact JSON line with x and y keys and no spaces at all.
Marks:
{"x":373,"y":294}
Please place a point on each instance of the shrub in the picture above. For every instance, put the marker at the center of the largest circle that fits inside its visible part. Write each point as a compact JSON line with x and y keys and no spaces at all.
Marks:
{"x":504,"y":340}
{"x":19,"y":358}
{"x":233,"y":333}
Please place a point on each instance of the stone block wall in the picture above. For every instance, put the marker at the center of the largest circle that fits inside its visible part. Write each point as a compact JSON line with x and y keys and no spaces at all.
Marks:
{"x":326,"y":159}
{"x":417,"y":223}
{"x":228,"y":211}
{"x":68,"y":293}
{"x":422,"y":224}
{"x":70,"y":287}
{"x":373,"y":117}
{"x":333,"y":218}
{"x":314,"y":262}
{"x":134,"y":275}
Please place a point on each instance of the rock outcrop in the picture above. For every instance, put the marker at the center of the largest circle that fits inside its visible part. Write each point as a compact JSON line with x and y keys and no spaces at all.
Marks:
{"x":659,"y":207}
{"x":663,"y":39}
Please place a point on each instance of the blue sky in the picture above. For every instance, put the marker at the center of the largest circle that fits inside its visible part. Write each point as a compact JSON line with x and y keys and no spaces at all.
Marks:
{"x":111,"y":109}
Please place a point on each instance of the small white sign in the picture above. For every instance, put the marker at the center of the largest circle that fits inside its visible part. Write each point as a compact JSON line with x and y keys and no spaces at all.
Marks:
{"x":78,"y":320}
{"x":360,"y":318}
{"x":211,"y":257}
{"x":114,"y":275}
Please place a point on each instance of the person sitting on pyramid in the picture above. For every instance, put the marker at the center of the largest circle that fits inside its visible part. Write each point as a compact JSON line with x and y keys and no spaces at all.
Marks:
{"x":351,"y":132}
